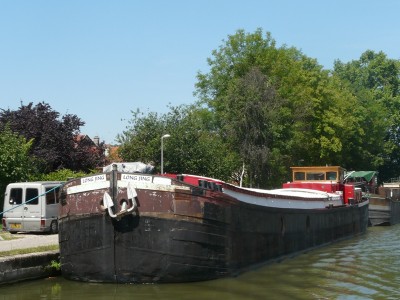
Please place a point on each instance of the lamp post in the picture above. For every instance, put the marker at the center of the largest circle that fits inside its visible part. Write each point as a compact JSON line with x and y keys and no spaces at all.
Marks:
{"x":162,"y":152}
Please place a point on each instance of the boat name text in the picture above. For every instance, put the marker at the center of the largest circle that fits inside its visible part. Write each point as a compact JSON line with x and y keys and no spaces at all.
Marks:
{"x":92,"y":179}
{"x":130,"y":177}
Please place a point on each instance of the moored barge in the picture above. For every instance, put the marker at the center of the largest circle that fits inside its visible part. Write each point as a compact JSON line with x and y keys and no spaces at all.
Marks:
{"x":127,"y":227}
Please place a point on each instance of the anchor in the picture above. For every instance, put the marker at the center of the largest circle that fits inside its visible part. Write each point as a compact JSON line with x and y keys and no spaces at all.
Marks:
{"x":108,"y":203}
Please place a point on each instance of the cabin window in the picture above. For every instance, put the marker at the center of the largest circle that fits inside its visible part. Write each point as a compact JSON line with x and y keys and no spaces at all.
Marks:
{"x":331,"y":175}
{"x":51,"y":195}
{"x":32,"y":196}
{"x":315,"y":176}
{"x":16,"y":196}
{"x":299,"y":176}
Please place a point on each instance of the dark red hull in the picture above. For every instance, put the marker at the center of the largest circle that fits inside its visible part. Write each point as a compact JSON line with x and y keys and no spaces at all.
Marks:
{"x":188,"y":233}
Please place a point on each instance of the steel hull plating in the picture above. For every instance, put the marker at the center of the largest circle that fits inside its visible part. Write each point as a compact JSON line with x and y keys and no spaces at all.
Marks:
{"x":188,"y":234}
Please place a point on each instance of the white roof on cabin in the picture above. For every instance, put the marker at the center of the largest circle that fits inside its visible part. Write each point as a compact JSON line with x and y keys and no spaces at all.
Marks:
{"x":298,"y":192}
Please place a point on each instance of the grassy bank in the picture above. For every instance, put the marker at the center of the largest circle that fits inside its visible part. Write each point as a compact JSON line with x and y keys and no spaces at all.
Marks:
{"x":29,"y":250}
{"x":5,"y":235}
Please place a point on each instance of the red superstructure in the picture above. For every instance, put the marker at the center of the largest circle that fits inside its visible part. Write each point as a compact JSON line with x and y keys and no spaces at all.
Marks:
{"x":201,"y":181}
{"x":329,"y":179}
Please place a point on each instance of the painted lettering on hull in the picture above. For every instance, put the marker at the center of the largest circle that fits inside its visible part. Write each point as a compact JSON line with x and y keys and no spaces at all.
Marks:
{"x":93,"y":179}
{"x":133,"y":177}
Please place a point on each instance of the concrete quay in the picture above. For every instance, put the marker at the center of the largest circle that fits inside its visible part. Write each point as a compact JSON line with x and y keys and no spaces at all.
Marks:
{"x":16,"y":268}
{"x":27,"y":267}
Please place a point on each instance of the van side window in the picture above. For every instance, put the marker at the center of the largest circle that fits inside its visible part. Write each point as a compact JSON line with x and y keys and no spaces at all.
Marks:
{"x":16,"y":196}
{"x":32,"y":194}
{"x":51,"y":197}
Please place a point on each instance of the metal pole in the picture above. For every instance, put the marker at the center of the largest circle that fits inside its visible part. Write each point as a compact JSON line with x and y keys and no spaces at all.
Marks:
{"x":162,"y":152}
{"x":162,"y":156}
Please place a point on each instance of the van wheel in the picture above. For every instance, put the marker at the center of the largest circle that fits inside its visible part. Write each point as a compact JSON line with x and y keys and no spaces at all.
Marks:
{"x":53,"y":227}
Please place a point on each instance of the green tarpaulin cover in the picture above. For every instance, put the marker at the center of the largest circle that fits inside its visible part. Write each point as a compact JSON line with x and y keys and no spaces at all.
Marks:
{"x":359,"y":174}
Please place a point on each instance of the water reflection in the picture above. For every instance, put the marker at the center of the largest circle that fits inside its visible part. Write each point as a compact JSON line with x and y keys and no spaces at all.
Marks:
{"x":365,"y":267}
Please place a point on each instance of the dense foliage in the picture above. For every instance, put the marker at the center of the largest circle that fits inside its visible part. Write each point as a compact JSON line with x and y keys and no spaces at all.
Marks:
{"x":374,"y":79}
{"x":60,"y":175}
{"x":55,"y":142}
{"x":15,"y":162}
{"x":261,"y":109}
{"x":194,"y":145}
{"x":264,"y":108}
{"x":307,"y":117}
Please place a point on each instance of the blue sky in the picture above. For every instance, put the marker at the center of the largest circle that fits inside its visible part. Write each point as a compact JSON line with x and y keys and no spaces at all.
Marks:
{"x":102,"y":59}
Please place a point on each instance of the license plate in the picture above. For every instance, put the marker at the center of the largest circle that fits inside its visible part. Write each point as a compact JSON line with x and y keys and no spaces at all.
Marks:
{"x":15,"y":225}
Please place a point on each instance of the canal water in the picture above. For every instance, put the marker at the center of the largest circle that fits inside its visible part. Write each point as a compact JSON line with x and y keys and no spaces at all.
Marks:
{"x":366,"y":267}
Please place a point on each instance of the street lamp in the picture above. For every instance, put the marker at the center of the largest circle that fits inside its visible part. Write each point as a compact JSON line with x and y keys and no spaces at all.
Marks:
{"x":162,"y":152}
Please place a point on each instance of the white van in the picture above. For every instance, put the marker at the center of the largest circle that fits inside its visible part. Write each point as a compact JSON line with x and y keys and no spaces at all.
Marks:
{"x":31,"y":207}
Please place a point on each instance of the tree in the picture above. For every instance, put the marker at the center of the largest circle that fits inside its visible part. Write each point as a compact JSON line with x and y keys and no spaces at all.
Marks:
{"x":15,"y":163}
{"x":140,"y":141}
{"x":375,"y":80}
{"x":54,"y":143}
{"x":257,"y":132}
{"x":269,"y":108}
{"x":194,"y":147}
{"x":86,"y":155}
{"x":60,"y":175}
{"x":311,"y":124}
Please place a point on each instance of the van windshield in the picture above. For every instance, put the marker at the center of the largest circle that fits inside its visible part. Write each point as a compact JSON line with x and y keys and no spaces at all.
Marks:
{"x":31,"y":197}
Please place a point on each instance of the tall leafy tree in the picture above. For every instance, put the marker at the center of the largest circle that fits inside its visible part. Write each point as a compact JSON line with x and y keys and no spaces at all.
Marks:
{"x":375,"y":81}
{"x":54,"y":143}
{"x":141,"y":139}
{"x":310,"y":125}
{"x":15,"y":162}
{"x":194,"y":145}
{"x":264,"y":108}
{"x":258,"y":131}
